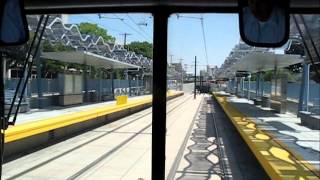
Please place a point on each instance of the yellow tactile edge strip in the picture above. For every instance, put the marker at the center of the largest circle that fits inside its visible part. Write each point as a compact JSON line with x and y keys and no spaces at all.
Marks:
{"x":278,"y":162}
{"x":28,"y":129}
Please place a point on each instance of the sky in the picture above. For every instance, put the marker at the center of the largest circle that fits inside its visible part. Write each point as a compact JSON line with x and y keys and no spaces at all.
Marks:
{"x":185,"y":36}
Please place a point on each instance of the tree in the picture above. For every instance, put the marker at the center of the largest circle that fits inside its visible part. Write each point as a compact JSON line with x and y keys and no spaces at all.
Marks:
{"x":268,"y":75}
{"x":94,"y":29}
{"x":57,"y":47}
{"x":145,"y":48}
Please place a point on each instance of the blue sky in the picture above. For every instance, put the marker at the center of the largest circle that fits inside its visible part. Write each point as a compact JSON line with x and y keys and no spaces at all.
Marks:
{"x":185,"y":34}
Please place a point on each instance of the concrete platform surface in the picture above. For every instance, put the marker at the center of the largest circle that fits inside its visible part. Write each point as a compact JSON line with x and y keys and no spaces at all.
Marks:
{"x":38,"y":114}
{"x":302,"y":143}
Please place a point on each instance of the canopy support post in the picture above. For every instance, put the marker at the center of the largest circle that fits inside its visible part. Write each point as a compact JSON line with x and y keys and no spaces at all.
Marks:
{"x":39,"y":82}
{"x":257,"y":85}
{"x":112,"y":83}
{"x":261,"y":85}
{"x":304,"y":89}
{"x":249,"y":79}
{"x":86,"y":83}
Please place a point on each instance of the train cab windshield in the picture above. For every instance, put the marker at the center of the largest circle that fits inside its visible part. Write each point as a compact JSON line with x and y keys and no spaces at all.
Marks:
{"x":154,"y":90}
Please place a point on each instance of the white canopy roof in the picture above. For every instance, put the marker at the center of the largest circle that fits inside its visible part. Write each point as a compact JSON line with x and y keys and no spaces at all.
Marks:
{"x":84,"y":57}
{"x":259,"y":61}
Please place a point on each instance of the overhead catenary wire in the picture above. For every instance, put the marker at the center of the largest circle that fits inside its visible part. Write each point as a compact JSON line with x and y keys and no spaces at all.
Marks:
{"x":204,"y":39}
{"x":103,"y":26}
{"x":133,"y":21}
{"x":135,"y":30}
{"x":201,"y":18}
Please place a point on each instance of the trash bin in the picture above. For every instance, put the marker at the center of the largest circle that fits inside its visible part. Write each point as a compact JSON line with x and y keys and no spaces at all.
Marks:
{"x":265,"y":101}
{"x":257,"y":102}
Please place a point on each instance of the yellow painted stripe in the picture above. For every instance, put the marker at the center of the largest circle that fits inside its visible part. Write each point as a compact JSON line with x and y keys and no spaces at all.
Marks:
{"x":278,"y":162}
{"x":28,"y":129}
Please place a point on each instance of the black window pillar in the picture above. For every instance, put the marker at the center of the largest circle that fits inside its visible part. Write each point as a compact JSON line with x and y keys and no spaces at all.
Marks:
{"x":160,"y":31}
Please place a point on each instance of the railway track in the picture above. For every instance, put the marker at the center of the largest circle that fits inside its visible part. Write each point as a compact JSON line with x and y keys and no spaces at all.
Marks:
{"x":128,"y":140}
{"x":141,"y":116}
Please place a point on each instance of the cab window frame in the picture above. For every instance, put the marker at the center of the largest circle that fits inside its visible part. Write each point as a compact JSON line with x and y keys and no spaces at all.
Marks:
{"x":161,"y":14}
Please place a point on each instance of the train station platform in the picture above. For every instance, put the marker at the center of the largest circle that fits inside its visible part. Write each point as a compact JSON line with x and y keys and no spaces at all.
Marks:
{"x":118,"y":150}
{"x":284,"y":148}
{"x":40,"y":127}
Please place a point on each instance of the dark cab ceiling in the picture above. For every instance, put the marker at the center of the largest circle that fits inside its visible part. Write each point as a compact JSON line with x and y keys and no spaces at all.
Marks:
{"x":78,"y":6}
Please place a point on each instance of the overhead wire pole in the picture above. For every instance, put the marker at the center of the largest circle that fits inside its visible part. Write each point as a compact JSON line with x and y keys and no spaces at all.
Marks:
{"x":181,"y":74}
{"x":125,"y":38}
{"x":195,"y":77}
{"x":171,"y":57}
{"x":203,"y":34}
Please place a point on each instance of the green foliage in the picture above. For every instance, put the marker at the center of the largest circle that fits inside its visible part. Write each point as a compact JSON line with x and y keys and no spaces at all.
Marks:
{"x":94,"y":29}
{"x":268,"y":75}
{"x":58,"y":47}
{"x":50,"y":66}
{"x":118,"y":74}
{"x":253,"y":77}
{"x":145,"y":48}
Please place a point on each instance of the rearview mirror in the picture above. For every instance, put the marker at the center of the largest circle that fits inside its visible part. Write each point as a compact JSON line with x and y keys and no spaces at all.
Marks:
{"x":13,"y":23}
{"x":264,"y":23}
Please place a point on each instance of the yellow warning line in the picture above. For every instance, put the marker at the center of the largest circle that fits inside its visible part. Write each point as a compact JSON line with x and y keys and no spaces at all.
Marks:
{"x":278,"y":162}
{"x":28,"y":129}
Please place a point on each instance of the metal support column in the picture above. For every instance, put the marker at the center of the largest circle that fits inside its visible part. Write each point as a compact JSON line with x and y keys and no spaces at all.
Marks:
{"x":39,"y":82}
{"x":237,"y":86}
{"x":257,"y":84}
{"x":129,"y":83}
{"x":100,"y":85}
{"x":306,"y":100}
{"x":262,"y":85}
{"x":249,"y":87}
{"x":137,"y":86}
{"x":242,"y":86}
{"x":304,"y":89}
{"x":160,"y":32}
{"x":234,"y":84}
{"x":85,"y":77}
{"x":112,"y":83}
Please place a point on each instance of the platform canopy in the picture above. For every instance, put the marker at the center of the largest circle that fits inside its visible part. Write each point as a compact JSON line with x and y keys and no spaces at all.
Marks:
{"x":88,"y":58}
{"x":259,"y":61}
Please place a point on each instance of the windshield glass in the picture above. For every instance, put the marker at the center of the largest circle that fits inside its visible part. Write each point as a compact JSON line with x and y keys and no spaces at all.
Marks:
{"x":78,"y":98}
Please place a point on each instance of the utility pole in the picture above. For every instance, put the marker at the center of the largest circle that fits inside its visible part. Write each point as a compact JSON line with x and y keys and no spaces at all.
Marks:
{"x":195,"y":77}
{"x":171,"y":57}
{"x":181,"y":74}
{"x":125,"y":38}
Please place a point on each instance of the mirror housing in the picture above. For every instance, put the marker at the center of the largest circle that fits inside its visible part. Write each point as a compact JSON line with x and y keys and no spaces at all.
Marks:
{"x":13,"y":23}
{"x":264,"y":23}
